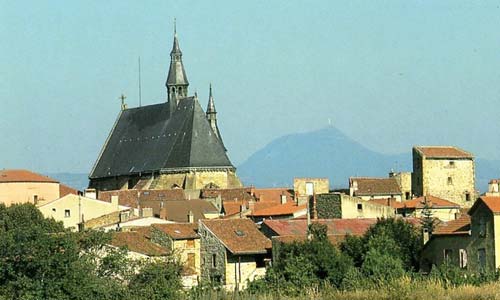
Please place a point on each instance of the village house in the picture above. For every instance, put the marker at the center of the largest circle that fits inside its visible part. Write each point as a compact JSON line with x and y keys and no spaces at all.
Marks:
{"x":444,"y":171}
{"x":138,"y":245}
{"x":368,"y":188}
{"x":233,"y":252}
{"x":23,"y":186}
{"x":73,"y":210}
{"x":342,"y":206}
{"x":183,"y":241}
{"x":471,"y":242}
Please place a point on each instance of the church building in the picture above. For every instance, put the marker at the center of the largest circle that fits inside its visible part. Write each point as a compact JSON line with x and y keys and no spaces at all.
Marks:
{"x":169,"y":145}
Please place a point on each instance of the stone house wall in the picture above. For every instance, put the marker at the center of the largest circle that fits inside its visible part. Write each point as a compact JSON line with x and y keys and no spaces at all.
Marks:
{"x":451,"y":179}
{"x":209,"y":246}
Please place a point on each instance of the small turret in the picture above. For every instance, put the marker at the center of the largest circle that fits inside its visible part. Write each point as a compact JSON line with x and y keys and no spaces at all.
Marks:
{"x":212,"y":113}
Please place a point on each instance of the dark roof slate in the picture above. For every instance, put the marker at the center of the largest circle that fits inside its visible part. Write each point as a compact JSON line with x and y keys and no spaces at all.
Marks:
{"x":147,"y":139}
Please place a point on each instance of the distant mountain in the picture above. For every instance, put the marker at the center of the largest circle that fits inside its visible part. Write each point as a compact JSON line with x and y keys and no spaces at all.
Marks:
{"x":78,"y":181}
{"x":330,"y":153}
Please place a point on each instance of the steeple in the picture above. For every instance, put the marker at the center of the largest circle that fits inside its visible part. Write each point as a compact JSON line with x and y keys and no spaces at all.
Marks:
{"x":177,"y":83}
{"x":212,"y":114}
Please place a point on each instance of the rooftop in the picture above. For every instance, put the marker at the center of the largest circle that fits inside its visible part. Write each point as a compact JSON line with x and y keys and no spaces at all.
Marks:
{"x":179,"y":231}
{"x":458,"y":226}
{"x":442,"y":152}
{"x":374,"y":186}
{"x":288,"y":208}
{"x":239,"y":236}
{"x":24,"y":176}
{"x":137,"y":241}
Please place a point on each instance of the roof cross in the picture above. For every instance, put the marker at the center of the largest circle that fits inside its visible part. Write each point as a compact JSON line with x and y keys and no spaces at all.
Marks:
{"x":122,"y":98}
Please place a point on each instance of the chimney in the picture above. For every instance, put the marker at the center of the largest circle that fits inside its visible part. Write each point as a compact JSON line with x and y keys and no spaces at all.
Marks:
{"x":252,"y":191}
{"x":251,"y":205}
{"x":283,"y":198}
{"x":114,"y":202}
{"x":190,"y":217}
{"x":163,"y":213}
{"x":147,"y":212}
{"x":90,"y":193}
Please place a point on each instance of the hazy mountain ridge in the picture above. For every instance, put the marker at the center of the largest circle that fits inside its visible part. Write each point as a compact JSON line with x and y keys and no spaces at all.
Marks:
{"x":330,"y":153}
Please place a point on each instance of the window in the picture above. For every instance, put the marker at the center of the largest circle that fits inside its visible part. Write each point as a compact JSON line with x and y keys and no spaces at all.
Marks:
{"x":452,"y":164}
{"x":407,"y":195}
{"x":360,"y":206}
{"x":482,"y":227}
{"x":54,"y":209}
{"x":309,"y":188}
{"x":467,"y":196}
{"x":481,"y":257}
{"x":450,"y":181}
{"x":35,"y":199}
{"x":214,"y":260}
{"x":190,"y":243}
{"x":463,"y":258}
{"x":191,"y":260}
{"x":67,"y":213}
{"x":447,"y":255}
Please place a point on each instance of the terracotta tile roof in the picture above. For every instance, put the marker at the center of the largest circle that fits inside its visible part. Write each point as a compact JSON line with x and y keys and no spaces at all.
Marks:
{"x":65,"y":190}
{"x":178,"y":211}
{"x":335,"y":239}
{"x":334,"y":226}
{"x":442,"y":152}
{"x":375,"y":186}
{"x":179,"y":231}
{"x":239,"y":236}
{"x":238,"y":194}
{"x":273,"y":194}
{"x":137,"y":241}
{"x":433,"y":201}
{"x":355,"y":227}
{"x":288,"y":208}
{"x":492,"y":202}
{"x":458,"y":226}
{"x":130,"y":197}
{"x":23,"y":176}
{"x":233,"y":207}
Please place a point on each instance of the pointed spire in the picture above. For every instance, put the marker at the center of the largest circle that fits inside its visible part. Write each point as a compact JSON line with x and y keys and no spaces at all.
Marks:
{"x":211,"y":104}
{"x":177,"y":83}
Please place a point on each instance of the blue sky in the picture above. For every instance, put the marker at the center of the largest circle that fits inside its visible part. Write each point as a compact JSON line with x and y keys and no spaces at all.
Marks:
{"x":390,"y":74}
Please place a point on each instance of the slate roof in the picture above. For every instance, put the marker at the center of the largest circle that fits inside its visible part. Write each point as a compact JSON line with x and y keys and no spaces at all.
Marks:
{"x":239,"y":236}
{"x":24,"y":176}
{"x":149,"y":138}
{"x":442,"y":152}
{"x":375,"y":186}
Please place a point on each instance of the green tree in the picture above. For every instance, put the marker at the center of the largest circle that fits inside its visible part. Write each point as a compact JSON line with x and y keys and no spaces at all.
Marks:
{"x":157,"y":281}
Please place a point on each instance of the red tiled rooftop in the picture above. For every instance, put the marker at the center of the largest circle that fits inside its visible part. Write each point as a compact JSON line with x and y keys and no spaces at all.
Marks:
{"x":288,"y":208}
{"x":239,"y":236}
{"x":23,"y":176}
{"x":272,"y":194}
{"x":136,"y":241}
{"x":179,"y":231}
{"x":492,"y":202}
{"x":442,"y":152}
{"x":130,"y":197}
{"x":458,"y":226}
{"x":375,"y":186}
{"x":433,"y":202}
{"x":334,"y":226}
{"x":238,"y":194}
{"x":65,"y":190}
